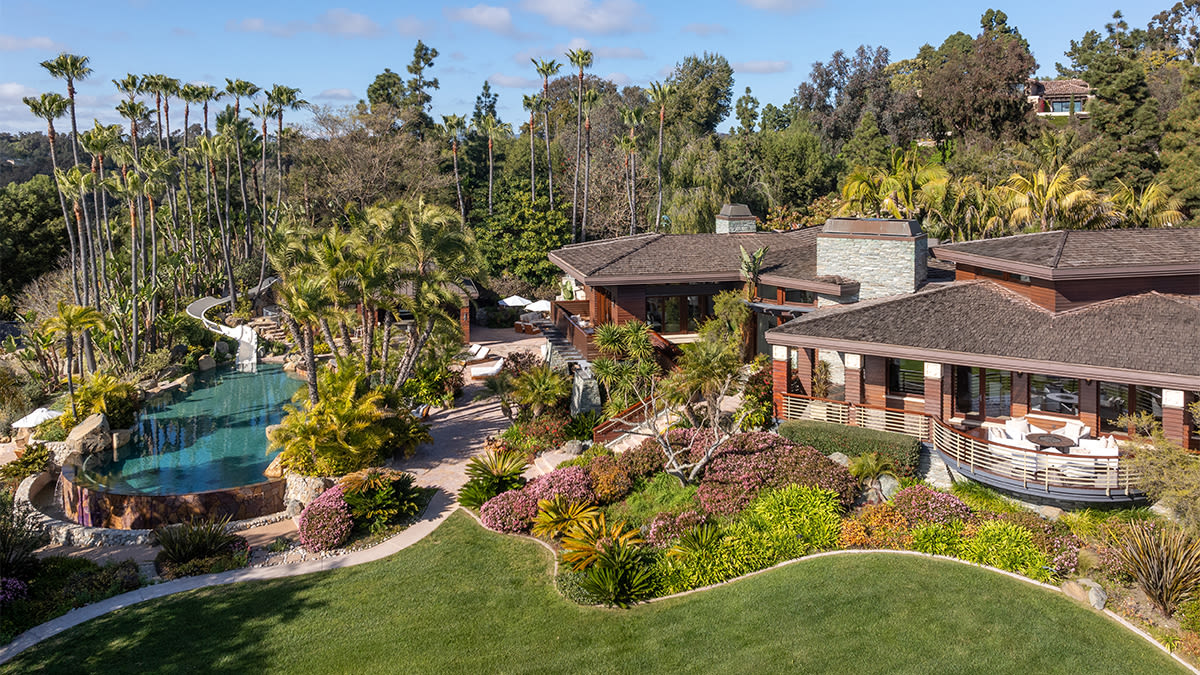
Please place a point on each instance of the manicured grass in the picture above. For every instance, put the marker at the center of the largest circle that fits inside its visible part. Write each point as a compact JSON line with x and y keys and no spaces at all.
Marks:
{"x":465,"y":600}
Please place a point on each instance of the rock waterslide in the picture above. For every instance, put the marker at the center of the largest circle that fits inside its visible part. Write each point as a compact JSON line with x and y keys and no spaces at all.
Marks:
{"x":247,"y":338}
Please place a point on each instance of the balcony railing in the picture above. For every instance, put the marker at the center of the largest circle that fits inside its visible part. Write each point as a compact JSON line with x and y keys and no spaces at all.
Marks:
{"x":1049,"y":474}
{"x":566,"y":316}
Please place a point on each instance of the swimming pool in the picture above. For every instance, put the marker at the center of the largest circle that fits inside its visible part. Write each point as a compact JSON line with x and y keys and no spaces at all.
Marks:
{"x":210,"y":438}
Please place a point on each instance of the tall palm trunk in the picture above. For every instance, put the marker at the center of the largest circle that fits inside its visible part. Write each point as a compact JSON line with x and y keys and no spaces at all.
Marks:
{"x":658,"y":208}
{"x":333,"y":346}
{"x":578,"y":143}
{"x":187,"y":195}
{"x":462,"y":207}
{"x":416,"y":342}
{"x":587,"y":176}
{"x":386,"y":347}
{"x":158,"y":114}
{"x":153,"y":312}
{"x":546,"y":134}
{"x":74,"y":126}
{"x":226,"y":239}
{"x":532,"y":173}
{"x":262,"y":207}
{"x":70,"y":373}
{"x":279,"y":165}
{"x":62,"y":201}
{"x":133,"y":276}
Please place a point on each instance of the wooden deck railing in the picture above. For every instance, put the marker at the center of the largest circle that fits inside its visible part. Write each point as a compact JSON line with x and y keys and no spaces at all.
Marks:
{"x":621,"y":423}
{"x":1054,"y":474}
{"x":565,"y":316}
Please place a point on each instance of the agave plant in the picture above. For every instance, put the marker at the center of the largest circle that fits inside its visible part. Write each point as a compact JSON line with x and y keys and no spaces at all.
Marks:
{"x":502,"y":466}
{"x":557,"y":516}
{"x":702,"y":539}
{"x":194,"y":539}
{"x":619,"y":579}
{"x":590,"y":540}
{"x":1165,"y":563}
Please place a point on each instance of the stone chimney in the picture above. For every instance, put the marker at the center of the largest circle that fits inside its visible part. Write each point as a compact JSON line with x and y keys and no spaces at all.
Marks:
{"x":736,"y":219}
{"x":886,"y":257}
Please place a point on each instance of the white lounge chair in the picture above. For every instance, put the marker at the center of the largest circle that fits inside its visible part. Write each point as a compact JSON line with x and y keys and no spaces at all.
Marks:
{"x":488,"y":369}
{"x":474,"y":350}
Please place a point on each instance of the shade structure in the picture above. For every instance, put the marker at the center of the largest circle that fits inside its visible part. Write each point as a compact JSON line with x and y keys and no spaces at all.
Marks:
{"x":35,"y":418}
{"x":539,"y":306}
{"x":514,"y":301}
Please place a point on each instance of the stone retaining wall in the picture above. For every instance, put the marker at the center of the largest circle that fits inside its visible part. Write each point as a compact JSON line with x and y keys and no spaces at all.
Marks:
{"x":95,"y":508}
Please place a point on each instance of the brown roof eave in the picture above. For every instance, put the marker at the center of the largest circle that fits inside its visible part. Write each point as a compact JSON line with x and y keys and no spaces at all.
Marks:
{"x":675,"y":278}
{"x":1060,"y":274}
{"x":1021,"y":365}
{"x":827,"y":287}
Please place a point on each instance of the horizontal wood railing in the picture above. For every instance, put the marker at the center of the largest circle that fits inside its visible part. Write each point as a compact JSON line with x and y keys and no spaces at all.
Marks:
{"x":1053,"y":473}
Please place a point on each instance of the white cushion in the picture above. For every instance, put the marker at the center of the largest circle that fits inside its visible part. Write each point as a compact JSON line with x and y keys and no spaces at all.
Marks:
{"x":1036,"y":430}
{"x":474,"y":349}
{"x":482,"y":353}
{"x":995,"y":435}
{"x":1016,"y":427}
{"x":1091,"y":446}
{"x":487,"y":369}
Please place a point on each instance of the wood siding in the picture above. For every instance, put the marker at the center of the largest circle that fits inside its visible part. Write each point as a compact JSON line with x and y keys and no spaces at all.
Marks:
{"x":1058,"y":296}
{"x":630,"y":303}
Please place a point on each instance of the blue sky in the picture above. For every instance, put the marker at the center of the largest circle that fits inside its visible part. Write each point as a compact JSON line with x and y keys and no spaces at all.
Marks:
{"x":332,"y":52}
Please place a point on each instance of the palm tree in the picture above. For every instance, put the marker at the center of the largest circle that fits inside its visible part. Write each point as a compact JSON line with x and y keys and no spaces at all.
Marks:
{"x":190,"y":93}
{"x":100,"y":142}
{"x":452,"y":127}
{"x":869,"y":468}
{"x":282,"y":97}
{"x":540,"y":388}
{"x":302,"y":299}
{"x":334,"y":257}
{"x":1058,"y":200}
{"x":906,"y":190}
{"x":546,"y":69}
{"x":72,"y":68}
{"x":77,"y":182}
{"x":532,"y":103}
{"x":493,"y":128}
{"x":1153,"y":207}
{"x":70,"y":320}
{"x":633,"y":118}
{"x":580,"y":58}
{"x":50,"y":107}
{"x":660,"y":94}
{"x":210,"y":149}
{"x":587,"y":102}
{"x":264,"y":111}
{"x":239,"y":89}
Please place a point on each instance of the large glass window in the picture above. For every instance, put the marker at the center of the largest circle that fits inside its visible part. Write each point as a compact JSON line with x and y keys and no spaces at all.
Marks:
{"x":1117,"y":400}
{"x":1054,"y":394}
{"x":967,"y":390}
{"x":1064,"y":106}
{"x":768,"y":293}
{"x":798,"y":297}
{"x":980,"y":389}
{"x":906,"y":377}
{"x":678,"y":314}
{"x":997,"y":393}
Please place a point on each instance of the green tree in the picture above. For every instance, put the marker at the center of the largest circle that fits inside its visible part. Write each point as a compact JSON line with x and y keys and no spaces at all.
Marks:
{"x":867,"y":147}
{"x":417,"y":96}
{"x":51,"y":107}
{"x":540,"y":388}
{"x":31,"y":234}
{"x":1153,"y":207}
{"x":520,"y":235}
{"x":546,"y":69}
{"x":1042,"y":202}
{"x":1181,"y":153}
{"x":660,"y":95}
{"x":747,"y":112}
{"x":72,"y":320}
{"x":704,"y":86}
{"x":72,"y":68}
{"x":581,"y":59}
{"x":792,"y":168}
{"x":386,"y":89}
{"x":452,"y":128}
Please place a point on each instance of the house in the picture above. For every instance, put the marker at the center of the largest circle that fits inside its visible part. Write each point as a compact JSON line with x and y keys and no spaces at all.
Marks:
{"x":1059,"y":98}
{"x":1062,"y":330}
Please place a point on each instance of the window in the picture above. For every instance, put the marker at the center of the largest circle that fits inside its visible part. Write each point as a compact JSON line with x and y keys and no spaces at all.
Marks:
{"x":767,"y":293}
{"x":798,"y":297}
{"x":979,"y":390}
{"x":906,"y":377}
{"x":699,"y":307}
{"x":1054,"y":394}
{"x":678,"y":314}
{"x":1022,"y":278}
{"x":1117,"y":400}
{"x":1064,"y":106}
{"x":989,"y":272}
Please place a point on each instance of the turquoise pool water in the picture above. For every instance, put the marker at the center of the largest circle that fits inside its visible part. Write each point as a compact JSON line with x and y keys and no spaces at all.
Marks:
{"x":210,"y":438}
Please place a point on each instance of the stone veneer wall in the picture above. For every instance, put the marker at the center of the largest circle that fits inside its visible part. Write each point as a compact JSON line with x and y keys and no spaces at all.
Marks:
{"x":882,"y":265}
{"x":95,"y":508}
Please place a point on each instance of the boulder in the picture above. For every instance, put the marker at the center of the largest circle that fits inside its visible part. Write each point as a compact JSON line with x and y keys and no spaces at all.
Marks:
{"x":1097,"y":598}
{"x":1075,"y":590}
{"x":889,"y":485}
{"x":90,"y":436}
{"x":233,"y":321}
{"x":840,"y":458}
{"x":120,"y":437}
{"x":185,"y":382}
{"x":206,"y":362}
{"x":572,"y":448}
{"x":222,"y":347}
{"x":1051,"y":512}
{"x":179,"y":352}
{"x":275,"y":470}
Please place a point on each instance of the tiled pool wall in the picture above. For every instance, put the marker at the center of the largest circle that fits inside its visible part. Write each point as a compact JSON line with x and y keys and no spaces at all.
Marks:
{"x":95,"y":508}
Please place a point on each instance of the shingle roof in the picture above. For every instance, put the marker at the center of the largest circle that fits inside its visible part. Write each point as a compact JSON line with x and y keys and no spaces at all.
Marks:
{"x":1149,"y":332}
{"x":791,"y":254}
{"x":1082,"y":249}
{"x":1056,"y":88}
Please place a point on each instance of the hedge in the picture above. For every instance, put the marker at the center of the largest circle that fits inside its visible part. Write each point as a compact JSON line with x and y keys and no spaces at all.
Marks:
{"x":904,"y":451}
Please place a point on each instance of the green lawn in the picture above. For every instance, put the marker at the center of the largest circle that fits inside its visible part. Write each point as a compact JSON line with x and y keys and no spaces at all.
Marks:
{"x":465,"y":600}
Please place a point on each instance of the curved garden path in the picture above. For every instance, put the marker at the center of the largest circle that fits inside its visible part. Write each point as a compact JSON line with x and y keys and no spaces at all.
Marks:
{"x":458,"y":433}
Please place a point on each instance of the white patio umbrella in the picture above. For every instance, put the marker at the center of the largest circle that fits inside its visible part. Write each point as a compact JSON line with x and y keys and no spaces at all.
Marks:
{"x":539,"y":306}
{"x":514,"y":301}
{"x":35,"y":418}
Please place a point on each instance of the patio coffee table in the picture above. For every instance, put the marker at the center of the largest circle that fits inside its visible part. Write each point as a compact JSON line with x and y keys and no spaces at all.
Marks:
{"x":1059,"y":443}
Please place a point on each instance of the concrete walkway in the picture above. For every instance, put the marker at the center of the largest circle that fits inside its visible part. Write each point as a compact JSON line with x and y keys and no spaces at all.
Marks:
{"x":458,"y":433}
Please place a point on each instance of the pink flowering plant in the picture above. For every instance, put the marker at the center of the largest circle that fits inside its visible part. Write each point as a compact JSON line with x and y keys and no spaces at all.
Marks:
{"x":921,"y":504}
{"x":572,"y":483}
{"x":664,"y":529}
{"x":12,"y":589}
{"x":512,"y":511}
{"x":326,"y":522}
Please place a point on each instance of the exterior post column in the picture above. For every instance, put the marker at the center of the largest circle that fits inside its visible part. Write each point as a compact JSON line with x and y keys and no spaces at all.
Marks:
{"x":779,"y":377}
{"x":1020,"y":396}
{"x":1175,"y":422}
{"x":933,"y":389}
{"x":854,"y":386}
{"x":804,"y":369}
{"x":1089,"y":405}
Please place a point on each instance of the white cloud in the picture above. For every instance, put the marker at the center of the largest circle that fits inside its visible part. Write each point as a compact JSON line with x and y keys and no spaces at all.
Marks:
{"x":335,"y":22}
{"x":410,"y":25}
{"x":619,"y":79}
{"x":559,"y":52}
{"x":609,"y":16}
{"x":762,"y":66}
{"x":787,"y":6}
{"x":13,"y":92}
{"x":458,"y":56}
{"x":514,"y":81}
{"x":340,"y":94}
{"x":495,"y":19}
{"x":10,"y":43}
{"x":705,"y":29}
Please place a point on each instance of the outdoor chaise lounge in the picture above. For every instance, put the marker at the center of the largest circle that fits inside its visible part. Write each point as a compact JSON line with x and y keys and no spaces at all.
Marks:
{"x":487,"y":370}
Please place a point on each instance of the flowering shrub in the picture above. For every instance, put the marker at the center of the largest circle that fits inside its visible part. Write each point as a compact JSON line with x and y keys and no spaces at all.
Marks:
{"x":876,"y":526}
{"x":665,"y":528}
{"x":325,"y":522}
{"x":571,"y":483}
{"x":642,"y":461}
{"x":749,"y":462}
{"x":511,"y":511}
{"x":609,"y":480}
{"x":921,"y":504}
{"x":12,"y":589}
{"x":537,"y":435}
